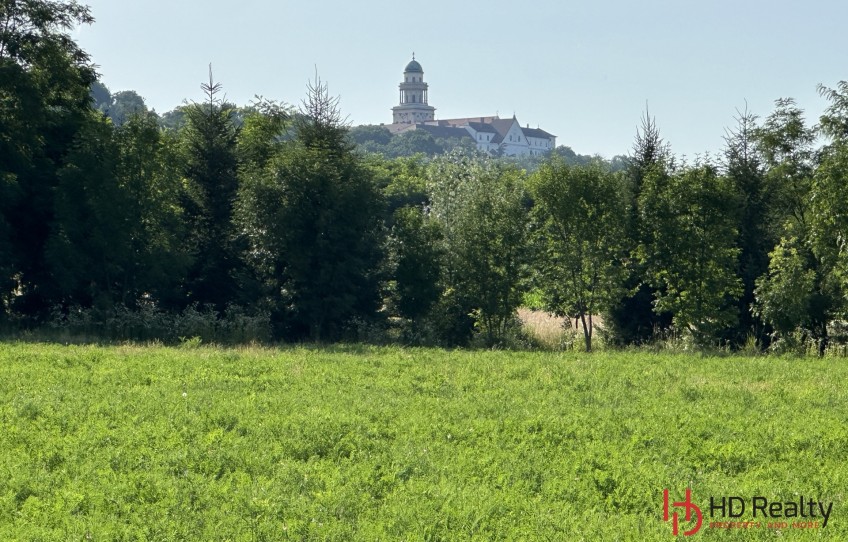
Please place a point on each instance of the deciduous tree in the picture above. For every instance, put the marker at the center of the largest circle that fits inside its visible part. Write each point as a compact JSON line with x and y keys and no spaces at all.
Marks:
{"x":581,"y":216}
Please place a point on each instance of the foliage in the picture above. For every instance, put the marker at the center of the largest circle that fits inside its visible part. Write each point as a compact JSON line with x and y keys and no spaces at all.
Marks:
{"x":689,"y":248}
{"x":402,"y":181}
{"x":415,"y":244}
{"x":633,"y":320}
{"x":313,"y":221}
{"x":44,"y":104}
{"x":148,"y":322}
{"x":148,"y":172}
{"x":787,"y":146}
{"x":479,"y":204}
{"x":785,"y":143}
{"x":745,"y":172}
{"x":363,"y":135}
{"x":785,"y":295}
{"x":581,"y":219}
{"x":210,"y":171}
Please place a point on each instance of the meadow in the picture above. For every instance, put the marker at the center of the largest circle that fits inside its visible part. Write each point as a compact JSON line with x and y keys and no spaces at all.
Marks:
{"x":383,"y":444}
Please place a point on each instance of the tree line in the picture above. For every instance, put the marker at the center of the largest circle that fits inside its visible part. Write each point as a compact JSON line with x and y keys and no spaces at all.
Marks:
{"x":269,"y":222}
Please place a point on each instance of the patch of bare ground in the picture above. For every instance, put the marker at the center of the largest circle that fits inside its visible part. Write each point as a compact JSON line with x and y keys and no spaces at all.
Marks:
{"x":551,"y":330}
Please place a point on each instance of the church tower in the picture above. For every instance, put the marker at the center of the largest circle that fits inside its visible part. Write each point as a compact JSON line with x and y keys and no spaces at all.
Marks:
{"x":413,"y":107}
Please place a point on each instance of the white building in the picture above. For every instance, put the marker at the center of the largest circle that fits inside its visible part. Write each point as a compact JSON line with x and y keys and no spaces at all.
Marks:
{"x":413,"y":107}
{"x":491,"y":134}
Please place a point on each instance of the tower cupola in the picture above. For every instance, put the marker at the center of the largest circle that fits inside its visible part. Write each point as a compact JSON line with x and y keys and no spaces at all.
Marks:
{"x":413,"y":107}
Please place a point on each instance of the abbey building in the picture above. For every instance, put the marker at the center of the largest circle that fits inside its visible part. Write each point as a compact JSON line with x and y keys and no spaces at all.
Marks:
{"x":491,"y":134}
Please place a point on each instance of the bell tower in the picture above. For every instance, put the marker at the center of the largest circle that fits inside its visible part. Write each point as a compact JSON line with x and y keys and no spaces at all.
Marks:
{"x":413,"y":107}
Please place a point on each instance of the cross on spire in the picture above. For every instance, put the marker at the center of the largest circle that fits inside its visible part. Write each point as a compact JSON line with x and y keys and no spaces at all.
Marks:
{"x":413,"y":55}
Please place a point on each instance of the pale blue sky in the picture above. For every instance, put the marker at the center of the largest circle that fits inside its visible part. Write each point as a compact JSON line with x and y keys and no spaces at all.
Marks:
{"x":580,"y":70}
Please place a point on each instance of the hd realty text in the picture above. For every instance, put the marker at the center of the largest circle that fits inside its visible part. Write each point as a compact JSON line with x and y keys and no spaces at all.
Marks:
{"x":734,"y":507}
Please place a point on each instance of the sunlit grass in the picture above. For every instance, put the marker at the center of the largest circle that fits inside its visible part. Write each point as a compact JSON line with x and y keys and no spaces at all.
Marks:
{"x":361,"y":443}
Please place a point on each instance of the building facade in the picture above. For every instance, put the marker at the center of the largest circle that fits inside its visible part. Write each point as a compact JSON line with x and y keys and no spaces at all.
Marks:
{"x":491,"y":134}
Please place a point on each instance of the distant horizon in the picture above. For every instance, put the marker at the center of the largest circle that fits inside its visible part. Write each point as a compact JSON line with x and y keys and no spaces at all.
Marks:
{"x":582,"y":72}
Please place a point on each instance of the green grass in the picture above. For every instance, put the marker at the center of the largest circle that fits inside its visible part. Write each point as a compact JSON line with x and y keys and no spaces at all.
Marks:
{"x":357,"y":443}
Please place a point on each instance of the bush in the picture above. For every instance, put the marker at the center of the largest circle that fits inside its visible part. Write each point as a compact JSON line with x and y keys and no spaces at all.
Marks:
{"x":149,"y":323}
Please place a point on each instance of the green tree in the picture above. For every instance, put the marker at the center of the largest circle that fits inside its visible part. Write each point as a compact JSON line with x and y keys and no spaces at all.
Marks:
{"x":689,"y":248}
{"x":45,"y":81}
{"x":402,"y":181}
{"x":148,"y":171}
{"x":744,"y":170}
{"x":415,"y":243}
{"x":633,"y":320}
{"x":581,"y":214}
{"x":480,"y":206}
{"x":174,"y":119}
{"x":313,"y":218}
{"x":87,"y":252}
{"x":786,"y":144}
{"x":376,"y":135}
{"x":413,"y":142}
{"x":260,"y":134}
{"x":125,"y":104}
{"x":211,"y":173}
{"x":785,"y":294}
{"x":829,"y":199}
{"x":101,"y":97}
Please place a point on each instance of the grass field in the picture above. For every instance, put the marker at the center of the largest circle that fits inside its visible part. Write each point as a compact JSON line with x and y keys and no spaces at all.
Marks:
{"x":359,"y":443}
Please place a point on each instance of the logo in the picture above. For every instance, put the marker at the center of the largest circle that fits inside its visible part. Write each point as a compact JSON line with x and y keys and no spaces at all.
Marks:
{"x":690,"y":508}
{"x":760,"y":513}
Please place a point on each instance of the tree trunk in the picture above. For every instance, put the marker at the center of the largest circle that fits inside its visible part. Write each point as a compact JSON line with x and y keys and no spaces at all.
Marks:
{"x":587,"y":331}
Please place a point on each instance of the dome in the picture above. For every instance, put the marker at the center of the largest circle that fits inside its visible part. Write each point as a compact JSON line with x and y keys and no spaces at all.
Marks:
{"x":413,"y":67}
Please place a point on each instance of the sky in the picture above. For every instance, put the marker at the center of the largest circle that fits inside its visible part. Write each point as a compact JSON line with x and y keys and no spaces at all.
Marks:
{"x":583,"y":71}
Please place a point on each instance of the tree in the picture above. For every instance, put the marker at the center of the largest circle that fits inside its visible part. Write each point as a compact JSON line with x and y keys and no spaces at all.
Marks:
{"x":413,"y":142}
{"x":581,"y":218}
{"x":633,"y":320}
{"x":402,"y":181}
{"x":87,"y":253}
{"x":45,"y":81}
{"x":125,"y":104}
{"x":101,"y":97}
{"x":415,"y":243}
{"x":786,"y":144}
{"x":174,"y":119}
{"x":377,"y":135}
{"x":211,"y":173}
{"x":744,"y":170}
{"x":260,"y":134}
{"x":689,"y":248}
{"x":829,"y":200}
{"x":480,"y":206}
{"x":148,"y":169}
{"x":785,"y":295}
{"x":313,"y":217}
